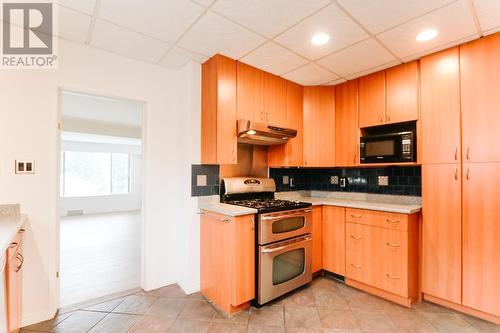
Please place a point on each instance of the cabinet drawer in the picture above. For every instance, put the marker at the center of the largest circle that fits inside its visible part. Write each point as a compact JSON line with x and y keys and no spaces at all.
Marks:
{"x":394,"y":249}
{"x":358,"y":267}
{"x":377,"y":219}
{"x":361,"y":237}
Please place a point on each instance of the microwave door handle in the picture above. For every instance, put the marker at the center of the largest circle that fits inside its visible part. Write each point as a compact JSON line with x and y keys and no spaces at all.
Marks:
{"x":274,"y":248}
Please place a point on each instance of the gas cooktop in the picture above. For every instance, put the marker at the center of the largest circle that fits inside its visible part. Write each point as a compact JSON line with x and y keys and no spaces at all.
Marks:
{"x":269,"y":205}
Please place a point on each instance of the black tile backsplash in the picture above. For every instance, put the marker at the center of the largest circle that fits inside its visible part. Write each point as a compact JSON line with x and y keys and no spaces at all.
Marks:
{"x":212,"y":173}
{"x":402,"y":180}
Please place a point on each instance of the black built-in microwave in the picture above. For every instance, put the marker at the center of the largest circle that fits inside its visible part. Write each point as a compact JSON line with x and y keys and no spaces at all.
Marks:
{"x":388,"y":148}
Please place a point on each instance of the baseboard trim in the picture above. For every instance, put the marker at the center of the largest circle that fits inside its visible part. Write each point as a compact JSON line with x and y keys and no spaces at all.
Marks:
{"x":462,"y":308}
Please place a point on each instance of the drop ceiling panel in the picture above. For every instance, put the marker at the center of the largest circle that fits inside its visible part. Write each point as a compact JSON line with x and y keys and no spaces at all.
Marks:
{"x":110,"y":37}
{"x":332,"y":21}
{"x":72,"y":25}
{"x":268,"y":17}
{"x":177,"y":58}
{"x":274,"y":58}
{"x":165,"y":20}
{"x":488,"y":12}
{"x":215,"y":34}
{"x":84,"y":6}
{"x":310,"y":75}
{"x":381,"y":15}
{"x":373,"y":69}
{"x":359,"y":57}
{"x":454,"y":23}
{"x":335,"y":82}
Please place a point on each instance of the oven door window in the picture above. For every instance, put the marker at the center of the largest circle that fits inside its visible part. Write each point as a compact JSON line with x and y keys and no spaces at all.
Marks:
{"x":288,"y":265}
{"x":380,"y":148}
{"x":288,"y":224}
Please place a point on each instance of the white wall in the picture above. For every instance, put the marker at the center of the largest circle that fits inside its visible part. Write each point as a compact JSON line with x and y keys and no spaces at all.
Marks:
{"x":29,"y":104}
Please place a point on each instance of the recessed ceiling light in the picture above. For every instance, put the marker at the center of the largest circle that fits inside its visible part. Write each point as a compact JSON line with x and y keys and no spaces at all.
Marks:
{"x":320,"y":39}
{"x":427,"y":35}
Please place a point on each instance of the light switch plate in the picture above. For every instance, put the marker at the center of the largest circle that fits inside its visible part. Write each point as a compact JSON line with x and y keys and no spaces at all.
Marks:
{"x":25,"y":166}
{"x":201,"y":180}
{"x":285,"y":180}
{"x":383,"y":181}
{"x":334,"y":180}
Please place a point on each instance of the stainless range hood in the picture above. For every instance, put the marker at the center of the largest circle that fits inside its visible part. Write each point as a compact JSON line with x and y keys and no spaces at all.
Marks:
{"x":263,"y":134}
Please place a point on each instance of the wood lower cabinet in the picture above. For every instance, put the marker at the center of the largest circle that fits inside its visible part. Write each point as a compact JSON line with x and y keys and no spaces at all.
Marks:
{"x":440,"y":107}
{"x":481,"y":237}
{"x":13,"y":283}
{"x":317,"y":242}
{"x":442,"y":231}
{"x":291,"y":153}
{"x":227,"y":258}
{"x":383,"y":258}
{"x":346,"y":124}
{"x":402,"y":91}
{"x":480,"y":86}
{"x":372,"y":99}
{"x":319,"y":124}
{"x":218,"y":111}
{"x":334,"y":241}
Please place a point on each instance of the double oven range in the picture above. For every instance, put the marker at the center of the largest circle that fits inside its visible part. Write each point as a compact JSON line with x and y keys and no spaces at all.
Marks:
{"x":282,"y":235}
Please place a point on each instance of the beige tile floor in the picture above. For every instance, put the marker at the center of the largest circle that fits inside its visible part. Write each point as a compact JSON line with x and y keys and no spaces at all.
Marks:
{"x":324,"y":306}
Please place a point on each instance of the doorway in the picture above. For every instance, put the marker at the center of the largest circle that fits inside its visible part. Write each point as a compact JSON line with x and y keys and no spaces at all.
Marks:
{"x":100,"y":197}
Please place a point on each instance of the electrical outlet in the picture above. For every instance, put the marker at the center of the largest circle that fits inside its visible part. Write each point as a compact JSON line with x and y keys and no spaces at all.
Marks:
{"x":383,"y":181}
{"x":285,"y":180}
{"x":201,"y":180}
{"x":334,"y":180}
{"x":25,"y":167}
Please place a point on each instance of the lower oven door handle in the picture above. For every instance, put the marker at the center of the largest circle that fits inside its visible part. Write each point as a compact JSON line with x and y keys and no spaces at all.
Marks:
{"x":298,"y":241}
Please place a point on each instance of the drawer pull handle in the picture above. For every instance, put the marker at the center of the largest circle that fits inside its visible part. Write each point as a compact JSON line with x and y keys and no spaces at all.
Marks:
{"x":393,"y":244}
{"x":392,"y":221}
{"x":13,"y":245}
{"x":356,"y":237}
{"x":356,"y":266}
{"x":392,"y":277}
{"x":356,"y":216}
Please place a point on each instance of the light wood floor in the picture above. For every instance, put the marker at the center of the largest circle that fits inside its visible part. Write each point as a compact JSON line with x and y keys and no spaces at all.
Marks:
{"x":100,"y":255}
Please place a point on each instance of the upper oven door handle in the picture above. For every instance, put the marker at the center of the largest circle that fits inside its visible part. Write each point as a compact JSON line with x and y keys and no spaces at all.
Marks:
{"x":282,"y":245}
{"x":285,"y":214}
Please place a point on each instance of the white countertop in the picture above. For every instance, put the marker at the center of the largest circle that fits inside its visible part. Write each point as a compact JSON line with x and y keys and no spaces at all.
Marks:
{"x":385,"y":203}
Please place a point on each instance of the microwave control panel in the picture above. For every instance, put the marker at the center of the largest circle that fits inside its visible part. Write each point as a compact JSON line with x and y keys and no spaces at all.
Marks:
{"x":406,"y":144}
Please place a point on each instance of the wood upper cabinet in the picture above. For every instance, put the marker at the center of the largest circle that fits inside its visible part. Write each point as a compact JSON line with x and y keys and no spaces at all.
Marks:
{"x":440,"y":108}
{"x":317,"y":239}
{"x":346,"y":124}
{"x":372,"y":99}
{"x":291,"y":153}
{"x":227,"y":259}
{"x":481,"y":235}
{"x":274,"y":99}
{"x":319,"y":126}
{"x":218,"y":111}
{"x":334,"y":239}
{"x":250,"y":93}
{"x":480,"y":87}
{"x":402,"y":89}
{"x":442,"y":231}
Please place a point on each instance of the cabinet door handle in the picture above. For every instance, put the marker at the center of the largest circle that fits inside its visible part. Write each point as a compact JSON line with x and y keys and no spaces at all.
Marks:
{"x":467,"y":154}
{"x":356,"y":216}
{"x":456,"y":173}
{"x":19,"y":257}
{"x":356,"y":266}
{"x":467,"y":176}
{"x":392,"y":221}
{"x":356,"y":237}
{"x":393,"y":244}
{"x":388,"y":116}
{"x":392,"y":277}
{"x":13,"y":245}
{"x":456,"y":154}
{"x":354,"y":161}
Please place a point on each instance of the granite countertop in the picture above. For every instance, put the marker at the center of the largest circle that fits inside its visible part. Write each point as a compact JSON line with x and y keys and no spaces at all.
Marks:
{"x":10,"y":222}
{"x":385,"y":203}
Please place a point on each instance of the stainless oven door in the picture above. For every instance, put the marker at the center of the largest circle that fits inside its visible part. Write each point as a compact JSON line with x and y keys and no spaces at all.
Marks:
{"x":283,"y":267}
{"x":282,"y":225}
